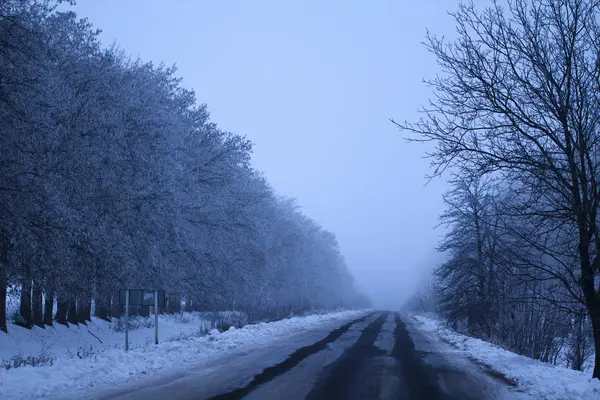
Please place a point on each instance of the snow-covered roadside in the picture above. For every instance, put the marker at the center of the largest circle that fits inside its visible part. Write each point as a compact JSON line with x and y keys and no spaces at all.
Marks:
{"x":538,"y":379}
{"x":81,"y":341}
{"x":114,"y":366}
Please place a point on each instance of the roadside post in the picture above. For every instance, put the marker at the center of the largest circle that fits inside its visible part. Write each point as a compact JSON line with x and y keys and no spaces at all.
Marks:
{"x":156,"y":317}
{"x":141,"y":297}
{"x":127,"y":321}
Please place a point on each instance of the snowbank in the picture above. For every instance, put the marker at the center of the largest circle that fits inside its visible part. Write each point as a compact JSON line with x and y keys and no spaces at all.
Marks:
{"x":538,"y":379}
{"x":113,"y":366}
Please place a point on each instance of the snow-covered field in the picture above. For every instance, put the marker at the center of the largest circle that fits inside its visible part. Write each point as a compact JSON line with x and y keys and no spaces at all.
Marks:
{"x":108,"y":364}
{"x":538,"y":379}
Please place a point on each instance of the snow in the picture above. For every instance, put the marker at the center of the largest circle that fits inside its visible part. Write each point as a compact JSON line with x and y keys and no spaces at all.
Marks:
{"x":60,"y":342}
{"x":539,"y":380}
{"x":113,"y":366}
{"x":299,"y":381}
{"x":385,"y":340}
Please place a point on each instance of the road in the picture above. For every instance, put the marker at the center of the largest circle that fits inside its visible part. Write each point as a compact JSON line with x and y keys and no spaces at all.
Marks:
{"x":379,"y":356}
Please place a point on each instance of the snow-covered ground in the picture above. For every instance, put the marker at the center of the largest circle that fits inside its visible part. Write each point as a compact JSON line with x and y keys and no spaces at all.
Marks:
{"x":81,"y":341}
{"x":110,"y":366}
{"x":539,"y":380}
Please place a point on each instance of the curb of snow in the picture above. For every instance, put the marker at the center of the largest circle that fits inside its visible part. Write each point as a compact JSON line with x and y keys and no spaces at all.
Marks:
{"x":541,"y":380}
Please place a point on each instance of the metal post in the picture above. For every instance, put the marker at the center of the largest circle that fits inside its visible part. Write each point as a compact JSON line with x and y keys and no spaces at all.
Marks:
{"x":127,"y":320}
{"x":156,"y":317}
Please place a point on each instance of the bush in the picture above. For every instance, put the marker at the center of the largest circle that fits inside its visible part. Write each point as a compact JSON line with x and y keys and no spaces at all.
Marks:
{"x":224,"y":320}
{"x":135,"y":322}
{"x":83,"y":352}
{"x":19,"y":361}
{"x":182,"y":318}
{"x":221,"y":325}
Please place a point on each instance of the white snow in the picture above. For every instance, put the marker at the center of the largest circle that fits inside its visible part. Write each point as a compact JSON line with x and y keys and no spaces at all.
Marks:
{"x":113,"y":366}
{"x":539,"y":380}
{"x":78,"y":341}
{"x":386,"y":339}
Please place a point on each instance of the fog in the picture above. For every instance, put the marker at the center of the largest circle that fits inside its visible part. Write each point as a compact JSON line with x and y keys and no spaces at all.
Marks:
{"x":313,"y":85}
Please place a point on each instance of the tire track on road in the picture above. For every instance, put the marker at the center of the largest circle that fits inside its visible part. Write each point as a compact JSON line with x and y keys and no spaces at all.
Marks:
{"x":293,"y":359}
{"x":338,"y":379}
{"x":419,"y":378}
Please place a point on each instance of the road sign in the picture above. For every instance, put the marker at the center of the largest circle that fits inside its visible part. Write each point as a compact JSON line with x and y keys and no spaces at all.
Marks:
{"x":141,"y":297}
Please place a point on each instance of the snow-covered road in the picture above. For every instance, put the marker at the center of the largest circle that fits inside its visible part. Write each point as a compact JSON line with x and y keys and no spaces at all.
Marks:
{"x":345,"y":355}
{"x":239,"y":369}
{"x":377,"y":356}
{"x":190,"y":357}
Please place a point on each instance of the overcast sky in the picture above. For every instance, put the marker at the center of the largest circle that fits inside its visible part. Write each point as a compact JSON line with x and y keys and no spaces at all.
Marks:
{"x":313,"y":84}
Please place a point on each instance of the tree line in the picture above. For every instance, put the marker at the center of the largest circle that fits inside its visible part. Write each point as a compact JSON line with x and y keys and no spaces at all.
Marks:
{"x":515,"y":121}
{"x":113,"y":176}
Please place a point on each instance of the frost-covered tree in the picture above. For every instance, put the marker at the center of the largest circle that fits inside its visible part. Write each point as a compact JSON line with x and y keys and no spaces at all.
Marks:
{"x":112,"y":176}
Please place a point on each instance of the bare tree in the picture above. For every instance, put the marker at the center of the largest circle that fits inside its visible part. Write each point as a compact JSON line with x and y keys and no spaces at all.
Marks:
{"x":466,"y":281}
{"x":520,"y":97}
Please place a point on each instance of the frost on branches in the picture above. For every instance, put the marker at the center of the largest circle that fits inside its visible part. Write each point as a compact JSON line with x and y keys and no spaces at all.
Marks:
{"x":113,"y":176}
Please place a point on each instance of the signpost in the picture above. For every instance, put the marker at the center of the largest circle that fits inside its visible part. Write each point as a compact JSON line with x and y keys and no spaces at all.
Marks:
{"x":140,"y":297}
{"x":156,"y":316}
{"x":127,"y":320}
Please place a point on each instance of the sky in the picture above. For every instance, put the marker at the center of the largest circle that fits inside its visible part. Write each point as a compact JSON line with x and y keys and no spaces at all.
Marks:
{"x":313,"y":84}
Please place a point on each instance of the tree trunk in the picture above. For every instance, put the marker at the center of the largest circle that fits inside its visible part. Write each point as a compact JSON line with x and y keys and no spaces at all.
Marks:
{"x":192,"y":305}
{"x":84,"y":310}
{"x":115,"y":308}
{"x":173,"y":305}
{"x":3,"y":326}
{"x":25,"y":308}
{"x":134,"y":310}
{"x":595,"y":317}
{"x":102,"y":301}
{"x":36,"y":306}
{"x":145,"y":311}
{"x":102,"y":310}
{"x":48,"y":308}
{"x":72,"y":311}
{"x":62,"y":306}
{"x":4,"y":247}
{"x":592,"y":300}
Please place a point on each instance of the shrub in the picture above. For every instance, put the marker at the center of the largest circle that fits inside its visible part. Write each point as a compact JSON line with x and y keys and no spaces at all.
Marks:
{"x":19,"y":361}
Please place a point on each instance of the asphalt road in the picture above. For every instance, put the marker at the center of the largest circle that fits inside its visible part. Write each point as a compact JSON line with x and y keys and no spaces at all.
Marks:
{"x":379,"y":356}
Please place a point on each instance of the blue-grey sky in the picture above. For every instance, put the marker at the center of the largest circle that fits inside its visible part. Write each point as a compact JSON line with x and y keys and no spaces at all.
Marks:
{"x":313,"y":84}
